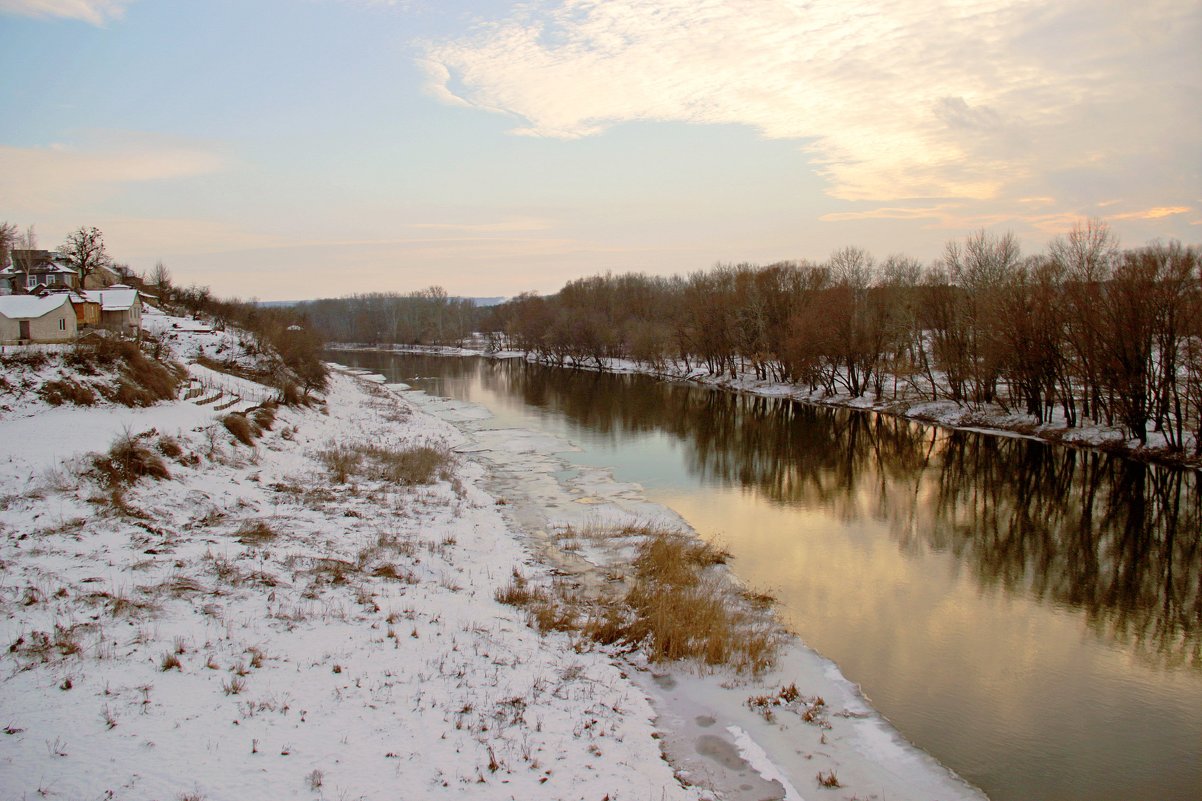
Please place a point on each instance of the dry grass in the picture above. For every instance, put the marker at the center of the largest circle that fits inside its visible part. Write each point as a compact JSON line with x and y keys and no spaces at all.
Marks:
{"x":31,"y":359}
{"x":143,"y":380}
{"x":256,"y":533}
{"x":675,"y":607}
{"x":56,"y":393}
{"x":264,"y":416}
{"x":680,"y":613}
{"x":169,"y":446}
{"x":420,"y":464}
{"x":241,"y":427}
{"x":127,"y":461}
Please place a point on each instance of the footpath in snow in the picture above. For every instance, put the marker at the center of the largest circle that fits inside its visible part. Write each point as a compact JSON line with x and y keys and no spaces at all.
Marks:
{"x":289,"y":620}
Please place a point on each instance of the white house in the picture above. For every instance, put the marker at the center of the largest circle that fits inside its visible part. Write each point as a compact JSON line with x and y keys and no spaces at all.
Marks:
{"x":120,"y":308}
{"x":27,"y":318}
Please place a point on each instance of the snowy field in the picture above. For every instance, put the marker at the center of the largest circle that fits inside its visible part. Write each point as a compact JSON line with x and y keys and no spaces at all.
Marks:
{"x":256,"y":626}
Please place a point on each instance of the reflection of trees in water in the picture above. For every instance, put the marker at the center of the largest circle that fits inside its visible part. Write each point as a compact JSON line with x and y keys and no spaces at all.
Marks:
{"x":1116,"y":538}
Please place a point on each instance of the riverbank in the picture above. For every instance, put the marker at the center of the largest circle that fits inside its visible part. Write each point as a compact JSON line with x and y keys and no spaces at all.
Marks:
{"x":315,"y":615}
{"x":244,"y":622}
{"x":988,"y":419}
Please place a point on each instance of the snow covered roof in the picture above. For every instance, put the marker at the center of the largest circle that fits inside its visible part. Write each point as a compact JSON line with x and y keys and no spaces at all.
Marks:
{"x":28,"y":307}
{"x":114,"y":298}
{"x":37,"y":261}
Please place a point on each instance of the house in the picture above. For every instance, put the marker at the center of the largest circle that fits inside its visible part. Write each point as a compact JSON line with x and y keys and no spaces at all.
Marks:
{"x":87,"y":312}
{"x":28,"y":318}
{"x":30,"y":270}
{"x":120,"y":308}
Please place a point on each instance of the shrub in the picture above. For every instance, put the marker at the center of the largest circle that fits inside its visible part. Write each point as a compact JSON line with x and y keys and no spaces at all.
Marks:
{"x":56,"y":393}
{"x":144,"y":381}
{"x":290,"y":394}
{"x":127,"y":461}
{"x":170,"y":447}
{"x":264,"y":416}
{"x":241,"y":427}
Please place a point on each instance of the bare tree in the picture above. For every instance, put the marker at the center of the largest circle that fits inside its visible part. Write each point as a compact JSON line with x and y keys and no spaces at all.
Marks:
{"x":160,"y":277}
{"x":8,"y":238}
{"x":84,"y":250}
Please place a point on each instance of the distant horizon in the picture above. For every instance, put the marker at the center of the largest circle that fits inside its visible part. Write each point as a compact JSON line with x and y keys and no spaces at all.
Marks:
{"x":494,"y":148}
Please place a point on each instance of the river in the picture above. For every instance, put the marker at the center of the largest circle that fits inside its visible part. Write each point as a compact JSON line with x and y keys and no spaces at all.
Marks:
{"x":1029,"y":614}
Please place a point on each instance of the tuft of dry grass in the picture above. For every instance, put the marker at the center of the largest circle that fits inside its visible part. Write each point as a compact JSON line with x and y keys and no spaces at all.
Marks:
{"x":241,"y":427}
{"x":257,"y":533}
{"x":56,"y":393}
{"x":519,"y":591}
{"x":264,"y":416}
{"x":412,"y":466}
{"x":127,"y":461}
{"x":675,"y":607}
{"x":169,"y":446}
{"x":341,"y":461}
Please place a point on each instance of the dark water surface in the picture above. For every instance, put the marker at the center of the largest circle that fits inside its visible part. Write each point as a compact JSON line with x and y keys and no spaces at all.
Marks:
{"x":1029,"y":614}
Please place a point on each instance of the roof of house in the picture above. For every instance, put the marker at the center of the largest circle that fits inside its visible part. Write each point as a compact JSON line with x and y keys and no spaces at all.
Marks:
{"x":28,"y":307}
{"x":36,"y":261}
{"x":44,"y":268}
{"x":117,"y":297}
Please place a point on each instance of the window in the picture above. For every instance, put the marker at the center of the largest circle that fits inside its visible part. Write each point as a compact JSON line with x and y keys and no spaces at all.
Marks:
{"x":30,"y":281}
{"x":62,"y":324}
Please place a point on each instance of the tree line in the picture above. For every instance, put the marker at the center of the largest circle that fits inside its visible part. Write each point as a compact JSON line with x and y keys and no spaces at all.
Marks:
{"x":428,"y":316}
{"x":1086,"y":329}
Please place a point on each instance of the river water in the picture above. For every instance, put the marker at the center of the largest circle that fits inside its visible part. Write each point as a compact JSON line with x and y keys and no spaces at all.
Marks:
{"x":1029,"y":614}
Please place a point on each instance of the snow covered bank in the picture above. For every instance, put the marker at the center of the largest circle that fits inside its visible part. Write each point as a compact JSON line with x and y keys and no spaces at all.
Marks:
{"x":250,"y":628}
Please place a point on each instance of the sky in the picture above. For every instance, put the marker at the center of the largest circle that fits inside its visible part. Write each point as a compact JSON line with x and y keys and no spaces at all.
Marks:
{"x":292,"y":149}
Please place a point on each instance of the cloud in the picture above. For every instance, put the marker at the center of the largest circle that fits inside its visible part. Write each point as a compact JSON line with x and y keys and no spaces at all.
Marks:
{"x":97,"y":12}
{"x":1152,"y":214}
{"x":515,"y":225}
{"x":892,"y":99}
{"x":45,"y":179}
{"x":966,"y":217}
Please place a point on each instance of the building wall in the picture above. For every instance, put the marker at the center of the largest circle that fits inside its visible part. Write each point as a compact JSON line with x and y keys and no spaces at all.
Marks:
{"x":56,"y":326}
{"x":87,"y":314}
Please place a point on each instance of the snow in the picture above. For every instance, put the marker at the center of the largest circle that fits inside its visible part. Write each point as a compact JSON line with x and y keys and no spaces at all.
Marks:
{"x":114,"y":298}
{"x":758,"y":760}
{"x":356,"y":650}
{"x":29,"y":306}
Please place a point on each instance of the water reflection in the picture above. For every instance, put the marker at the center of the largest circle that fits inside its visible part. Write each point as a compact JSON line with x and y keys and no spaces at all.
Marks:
{"x":1117,"y":539}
